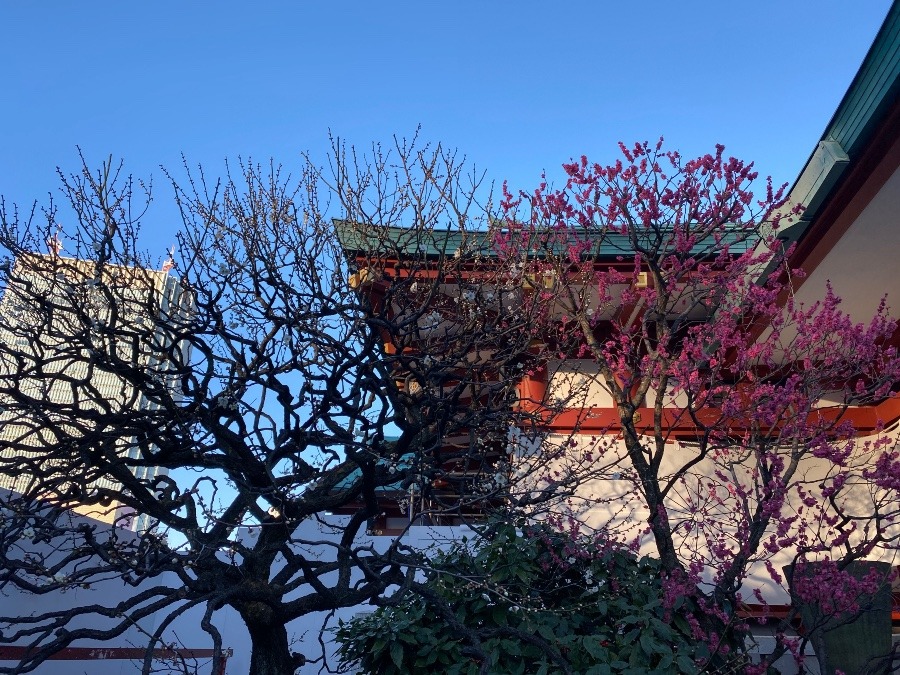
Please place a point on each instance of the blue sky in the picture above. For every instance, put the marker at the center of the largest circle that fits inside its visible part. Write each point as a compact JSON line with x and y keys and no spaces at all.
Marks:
{"x":518,"y":87}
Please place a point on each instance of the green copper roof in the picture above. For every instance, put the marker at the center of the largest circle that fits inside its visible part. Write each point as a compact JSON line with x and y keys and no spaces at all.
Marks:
{"x":412,"y":242}
{"x":874,"y":89}
{"x":404,"y":463}
{"x":364,"y":239}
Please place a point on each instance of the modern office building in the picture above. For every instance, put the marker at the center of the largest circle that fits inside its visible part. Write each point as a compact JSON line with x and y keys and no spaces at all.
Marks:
{"x":72,"y":329}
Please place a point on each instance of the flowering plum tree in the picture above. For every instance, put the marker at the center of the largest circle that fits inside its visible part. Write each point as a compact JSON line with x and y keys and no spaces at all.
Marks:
{"x":727,"y":439}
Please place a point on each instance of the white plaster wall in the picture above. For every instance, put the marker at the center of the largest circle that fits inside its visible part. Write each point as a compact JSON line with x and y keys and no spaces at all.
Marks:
{"x":576,"y":383}
{"x":186,"y":632}
{"x":862,"y":266}
{"x":608,"y":499}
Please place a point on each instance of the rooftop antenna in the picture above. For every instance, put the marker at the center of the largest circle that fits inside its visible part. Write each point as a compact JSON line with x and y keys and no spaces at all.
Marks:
{"x":170,"y":262}
{"x":54,"y":244}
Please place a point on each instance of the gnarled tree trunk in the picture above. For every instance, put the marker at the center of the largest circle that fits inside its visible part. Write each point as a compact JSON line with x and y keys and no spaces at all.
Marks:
{"x":271,"y":654}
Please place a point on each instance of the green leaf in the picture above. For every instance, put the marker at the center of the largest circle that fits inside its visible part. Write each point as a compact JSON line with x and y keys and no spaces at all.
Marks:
{"x":547,"y":633}
{"x":685,"y":663}
{"x":599,"y":669}
{"x":397,"y":654}
{"x":593,"y":647}
{"x":665,"y":663}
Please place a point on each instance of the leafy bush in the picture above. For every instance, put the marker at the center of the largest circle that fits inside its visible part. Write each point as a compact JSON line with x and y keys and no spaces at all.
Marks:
{"x":534,"y":601}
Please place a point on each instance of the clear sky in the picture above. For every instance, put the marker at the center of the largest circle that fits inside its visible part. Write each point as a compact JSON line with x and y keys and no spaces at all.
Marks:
{"x":518,"y":87}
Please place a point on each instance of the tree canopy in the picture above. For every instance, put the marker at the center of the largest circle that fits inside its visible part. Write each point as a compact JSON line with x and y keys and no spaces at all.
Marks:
{"x":255,"y":383}
{"x":623,"y":351}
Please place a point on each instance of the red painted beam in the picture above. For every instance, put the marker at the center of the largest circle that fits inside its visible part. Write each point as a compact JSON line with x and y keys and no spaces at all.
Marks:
{"x":11,"y":653}
{"x":755,"y":611}
{"x":865,"y":419}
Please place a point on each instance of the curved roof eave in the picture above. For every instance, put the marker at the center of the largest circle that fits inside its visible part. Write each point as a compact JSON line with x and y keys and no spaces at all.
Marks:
{"x":871,"y":96}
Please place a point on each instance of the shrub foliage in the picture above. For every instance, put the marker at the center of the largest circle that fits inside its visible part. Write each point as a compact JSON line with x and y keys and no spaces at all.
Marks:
{"x":529,"y":601}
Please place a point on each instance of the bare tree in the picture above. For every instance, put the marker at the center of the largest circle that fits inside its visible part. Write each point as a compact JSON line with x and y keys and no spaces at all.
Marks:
{"x":266,"y":380}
